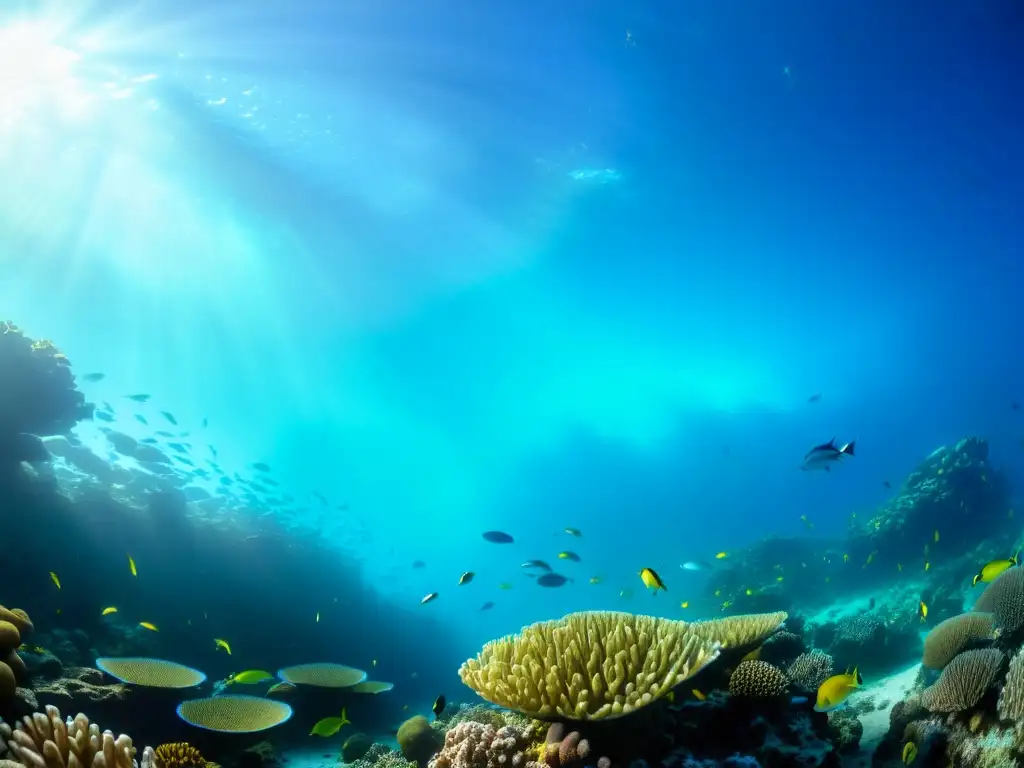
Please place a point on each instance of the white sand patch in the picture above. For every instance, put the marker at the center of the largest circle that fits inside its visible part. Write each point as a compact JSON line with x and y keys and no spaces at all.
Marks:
{"x":888,"y":691}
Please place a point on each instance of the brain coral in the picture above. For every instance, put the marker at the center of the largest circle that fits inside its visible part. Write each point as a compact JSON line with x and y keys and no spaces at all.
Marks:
{"x":758,"y":679}
{"x":964,"y":681}
{"x":1005,"y":598}
{"x":1011,"y":700}
{"x":809,"y":670}
{"x":418,"y":741}
{"x":14,"y":627}
{"x":953,"y":635}
{"x":588,"y":666}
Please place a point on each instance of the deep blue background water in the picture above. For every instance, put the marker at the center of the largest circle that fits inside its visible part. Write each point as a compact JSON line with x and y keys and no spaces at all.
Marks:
{"x":384,"y":282}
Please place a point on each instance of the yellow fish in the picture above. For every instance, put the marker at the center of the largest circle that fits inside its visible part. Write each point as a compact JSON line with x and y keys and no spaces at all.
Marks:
{"x":222,"y":644}
{"x":684,"y":604}
{"x":927,"y":566}
{"x":909,"y":752}
{"x":54,"y":579}
{"x":699,"y":695}
{"x":749,"y":592}
{"x":991,"y":570}
{"x":779,"y":578}
{"x":280,"y":689}
{"x":131,"y":566}
{"x":836,"y":690}
{"x":149,"y":626}
{"x":569,"y":556}
{"x":726,"y":604}
{"x":924,"y":611}
{"x":721,"y":555}
{"x":846,"y":558}
{"x":108,"y":611}
{"x":651,"y":580}
{"x":935,"y":537}
{"x":249,"y":677}
{"x":330,"y":725}
{"x":718,"y":593}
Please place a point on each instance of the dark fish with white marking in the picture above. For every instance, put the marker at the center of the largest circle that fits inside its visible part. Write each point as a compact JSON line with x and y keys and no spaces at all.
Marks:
{"x":825,"y":455}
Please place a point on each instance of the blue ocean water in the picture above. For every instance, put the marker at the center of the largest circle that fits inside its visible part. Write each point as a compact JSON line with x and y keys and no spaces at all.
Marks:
{"x":517,"y":266}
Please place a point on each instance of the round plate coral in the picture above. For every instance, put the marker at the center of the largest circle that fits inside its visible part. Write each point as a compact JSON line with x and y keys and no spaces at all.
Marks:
{"x":322,"y":675}
{"x":154,"y":673}
{"x":234,"y":714}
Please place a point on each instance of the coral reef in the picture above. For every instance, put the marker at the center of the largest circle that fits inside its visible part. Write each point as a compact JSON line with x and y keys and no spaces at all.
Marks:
{"x":475,"y":745}
{"x":591,"y":665}
{"x":45,"y":740}
{"x":848,"y":729}
{"x":40,"y":397}
{"x":809,"y":670}
{"x":867,"y":642}
{"x":79,"y":685}
{"x":758,"y":680}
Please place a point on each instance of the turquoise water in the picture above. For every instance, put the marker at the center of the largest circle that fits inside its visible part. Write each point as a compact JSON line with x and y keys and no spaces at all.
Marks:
{"x":451,"y":268}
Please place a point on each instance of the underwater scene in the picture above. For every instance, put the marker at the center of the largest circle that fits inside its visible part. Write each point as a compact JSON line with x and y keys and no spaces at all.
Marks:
{"x":511,"y":384}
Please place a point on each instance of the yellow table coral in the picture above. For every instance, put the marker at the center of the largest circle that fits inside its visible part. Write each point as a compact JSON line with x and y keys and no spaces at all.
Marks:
{"x":591,"y":665}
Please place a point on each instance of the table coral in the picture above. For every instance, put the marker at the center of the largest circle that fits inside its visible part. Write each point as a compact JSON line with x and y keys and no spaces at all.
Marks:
{"x":590,"y":665}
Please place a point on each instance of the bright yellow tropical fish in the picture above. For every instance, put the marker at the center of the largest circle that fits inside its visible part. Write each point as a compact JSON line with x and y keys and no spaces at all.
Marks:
{"x":684,"y":604}
{"x":909,"y":752}
{"x":330,"y":725}
{"x":721,"y":555}
{"x":927,"y":566}
{"x":222,"y":644}
{"x":149,"y":626}
{"x":651,"y":580}
{"x":250,"y":677}
{"x":846,"y":558}
{"x":131,"y":566}
{"x":991,"y":570}
{"x":699,"y":695}
{"x":834,"y":691}
{"x":924,"y":611}
{"x":108,"y":611}
{"x":54,"y":579}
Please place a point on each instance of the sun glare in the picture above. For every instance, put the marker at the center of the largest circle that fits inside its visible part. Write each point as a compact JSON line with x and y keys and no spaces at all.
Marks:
{"x":37,"y":76}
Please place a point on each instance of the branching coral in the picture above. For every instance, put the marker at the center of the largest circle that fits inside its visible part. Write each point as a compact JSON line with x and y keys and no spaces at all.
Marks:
{"x":758,"y":679}
{"x":953,"y":635}
{"x":588,"y":666}
{"x":964,"y":681}
{"x":44,"y":740}
{"x":475,"y":745}
{"x":809,"y":670}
